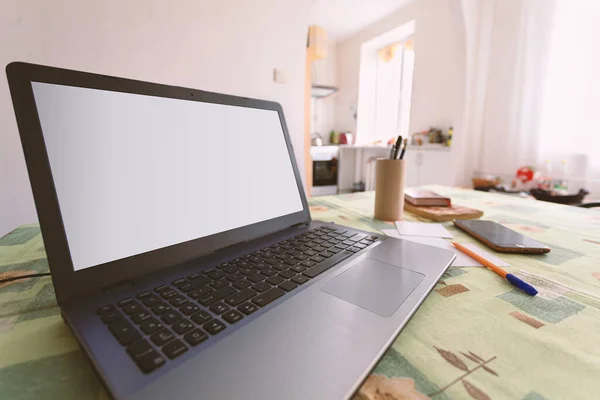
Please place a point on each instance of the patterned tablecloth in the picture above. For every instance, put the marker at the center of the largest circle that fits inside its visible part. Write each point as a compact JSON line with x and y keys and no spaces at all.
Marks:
{"x":473,"y":337}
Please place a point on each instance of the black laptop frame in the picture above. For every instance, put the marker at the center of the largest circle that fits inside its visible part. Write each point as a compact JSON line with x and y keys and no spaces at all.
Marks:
{"x":68,"y":283}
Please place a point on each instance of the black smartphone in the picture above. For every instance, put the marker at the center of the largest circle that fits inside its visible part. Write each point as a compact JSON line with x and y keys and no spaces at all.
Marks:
{"x":500,"y":238}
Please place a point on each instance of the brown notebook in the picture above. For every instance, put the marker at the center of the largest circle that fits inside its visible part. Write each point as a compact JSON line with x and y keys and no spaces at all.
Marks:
{"x":419,"y":198}
{"x":442,"y":214}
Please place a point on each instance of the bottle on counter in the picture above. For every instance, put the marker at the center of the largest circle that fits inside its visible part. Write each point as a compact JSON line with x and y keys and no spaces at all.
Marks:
{"x":450,"y":133}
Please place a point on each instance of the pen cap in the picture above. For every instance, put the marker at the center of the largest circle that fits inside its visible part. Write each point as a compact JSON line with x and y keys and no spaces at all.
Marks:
{"x":524,"y":286}
{"x":389,"y":189}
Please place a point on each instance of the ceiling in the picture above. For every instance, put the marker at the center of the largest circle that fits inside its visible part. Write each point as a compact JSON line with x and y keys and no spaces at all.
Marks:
{"x":342,"y":18}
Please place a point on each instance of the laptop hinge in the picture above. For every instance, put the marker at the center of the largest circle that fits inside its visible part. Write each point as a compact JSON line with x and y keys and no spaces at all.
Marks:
{"x":300,"y":225}
{"x":116,"y":286}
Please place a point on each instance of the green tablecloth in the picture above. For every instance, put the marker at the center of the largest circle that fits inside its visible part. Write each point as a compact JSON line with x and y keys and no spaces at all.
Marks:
{"x":474,"y":336}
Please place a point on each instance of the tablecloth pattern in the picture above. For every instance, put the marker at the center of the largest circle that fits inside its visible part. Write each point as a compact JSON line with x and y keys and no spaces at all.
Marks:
{"x":473,"y":337}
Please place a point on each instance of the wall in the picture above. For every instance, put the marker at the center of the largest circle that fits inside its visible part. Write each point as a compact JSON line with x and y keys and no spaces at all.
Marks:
{"x":324,"y":72}
{"x":438,"y":83}
{"x":225,"y":46}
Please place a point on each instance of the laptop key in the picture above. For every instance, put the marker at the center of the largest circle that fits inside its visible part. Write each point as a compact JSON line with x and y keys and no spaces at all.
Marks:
{"x":232,"y":316}
{"x":112,"y":316}
{"x":300,"y":279}
{"x":247,"y":271}
{"x":240,"y":297}
{"x":275,"y":280}
{"x":247,"y":308}
{"x":354,"y":249}
{"x":193,"y":275}
{"x":179,"y":282}
{"x":125,"y":302}
{"x":161,"y":308}
{"x":216,"y":275}
{"x":183,"y":326}
{"x":297,"y":268}
{"x":201,"y":317}
{"x":140,"y":317}
{"x":151,"y":326}
{"x":150,"y":361}
{"x":288,"y":286}
{"x":124,"y":332}
{"x":218,"y":308}
{"x":214,"y":326}
{"x":334,"y":250}
{"x":325,"y":265}
{"x":219,"y":284}
{"x":171,"y":317}
{"x":178,"y":301}
{"x":169,"y":294}
{"x":280,"y":267}
{"x":161,"y":337}
{"x":256,"y":278}
{"x":186,"y":287}
{"x":232,"y":269}
{"x":318,"y":259}
{"x":139,"y":347}
{"x":267,"y":297}
{"x":308,"y":263}
{"x":162,"y":288}
{"x":151,"y":301}
{"x":132,"y":308}
{"x":217,"y":295}
{"x":200,"y":292}
{"x":234,"y":277}
{"x":195,"y":337}
{"x":200,"y":281}
{"x":326,"y":254}
{"x":287,"y":274}
{"x":174,"y":349}
{"x":109,"y":308}
{"x":143,"y":295}
{"x":189,"y":309}
{"x":261,"y":287}
{"x":242,"y":284}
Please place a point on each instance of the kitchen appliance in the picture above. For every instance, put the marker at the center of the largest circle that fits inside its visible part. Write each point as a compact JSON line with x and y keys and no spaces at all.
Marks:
{"x":325,"y":170}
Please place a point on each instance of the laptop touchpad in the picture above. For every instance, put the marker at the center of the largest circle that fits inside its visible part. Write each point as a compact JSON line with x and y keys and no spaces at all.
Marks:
{"x":374,"y":285}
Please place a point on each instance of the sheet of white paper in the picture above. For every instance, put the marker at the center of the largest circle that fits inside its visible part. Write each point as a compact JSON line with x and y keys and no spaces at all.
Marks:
{"x":462,"y":260}
{"x":406,"y":228}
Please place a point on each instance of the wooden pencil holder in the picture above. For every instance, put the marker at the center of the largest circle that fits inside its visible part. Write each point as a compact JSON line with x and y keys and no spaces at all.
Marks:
{"x":389,"y":189}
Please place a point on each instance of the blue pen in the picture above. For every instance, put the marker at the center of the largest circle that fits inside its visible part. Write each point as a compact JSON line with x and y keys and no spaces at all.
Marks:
{"x":524,"y":286}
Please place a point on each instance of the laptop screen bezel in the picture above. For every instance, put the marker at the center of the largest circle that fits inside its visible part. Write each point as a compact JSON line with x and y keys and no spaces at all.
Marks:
{"x":69,"y":283}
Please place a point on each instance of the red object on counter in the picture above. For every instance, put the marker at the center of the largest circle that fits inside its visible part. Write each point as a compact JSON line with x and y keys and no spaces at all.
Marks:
{"x":346,"y":138}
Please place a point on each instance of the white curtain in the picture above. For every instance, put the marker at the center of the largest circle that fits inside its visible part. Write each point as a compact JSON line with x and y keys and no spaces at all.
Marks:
{"x":570,"y":121}
{"x":507,"y":46}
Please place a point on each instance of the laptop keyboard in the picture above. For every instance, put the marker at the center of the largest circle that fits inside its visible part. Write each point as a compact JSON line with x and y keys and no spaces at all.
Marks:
{"x":166,"y":322}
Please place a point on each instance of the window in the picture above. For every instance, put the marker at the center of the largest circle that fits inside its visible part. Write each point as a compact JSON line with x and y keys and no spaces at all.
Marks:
{"x":385,"y":85}
{"x":395,"y":64}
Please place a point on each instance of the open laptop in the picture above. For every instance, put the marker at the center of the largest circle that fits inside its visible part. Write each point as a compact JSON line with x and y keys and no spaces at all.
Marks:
{"x":182,"y":251}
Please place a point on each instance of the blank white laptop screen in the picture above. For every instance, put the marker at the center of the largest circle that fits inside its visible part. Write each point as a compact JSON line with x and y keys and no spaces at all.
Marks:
{"x":136,"y":173}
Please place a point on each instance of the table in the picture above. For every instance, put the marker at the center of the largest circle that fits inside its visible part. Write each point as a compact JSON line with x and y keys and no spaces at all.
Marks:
{"x":473,"y":337}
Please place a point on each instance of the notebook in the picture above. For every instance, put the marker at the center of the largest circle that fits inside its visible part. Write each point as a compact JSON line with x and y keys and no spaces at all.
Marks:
{"x":418,"y":197}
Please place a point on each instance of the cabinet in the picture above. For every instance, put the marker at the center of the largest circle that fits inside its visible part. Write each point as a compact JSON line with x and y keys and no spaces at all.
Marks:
{"x":424,"y":165}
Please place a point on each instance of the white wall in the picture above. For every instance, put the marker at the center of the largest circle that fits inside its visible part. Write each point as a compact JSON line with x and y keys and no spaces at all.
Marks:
{"x":228,"y":46}
{"x":324,"y":72}
{"x":438,"y":83}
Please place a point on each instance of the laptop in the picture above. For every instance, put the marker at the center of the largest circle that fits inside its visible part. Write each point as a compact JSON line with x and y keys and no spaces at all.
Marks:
{"x":182,"y":250}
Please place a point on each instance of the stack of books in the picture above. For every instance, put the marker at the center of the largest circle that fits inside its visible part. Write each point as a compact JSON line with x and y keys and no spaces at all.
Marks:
{"x":433,"y":206}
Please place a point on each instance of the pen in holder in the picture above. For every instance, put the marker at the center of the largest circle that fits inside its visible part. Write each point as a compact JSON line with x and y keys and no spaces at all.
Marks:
{"x":389,"y":189}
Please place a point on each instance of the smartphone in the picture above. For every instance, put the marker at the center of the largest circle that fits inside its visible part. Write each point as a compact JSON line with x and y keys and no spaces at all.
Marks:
{"x":500,"y":238}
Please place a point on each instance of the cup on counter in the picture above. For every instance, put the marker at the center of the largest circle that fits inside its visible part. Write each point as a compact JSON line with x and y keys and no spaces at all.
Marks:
{"x":389,"y":189}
